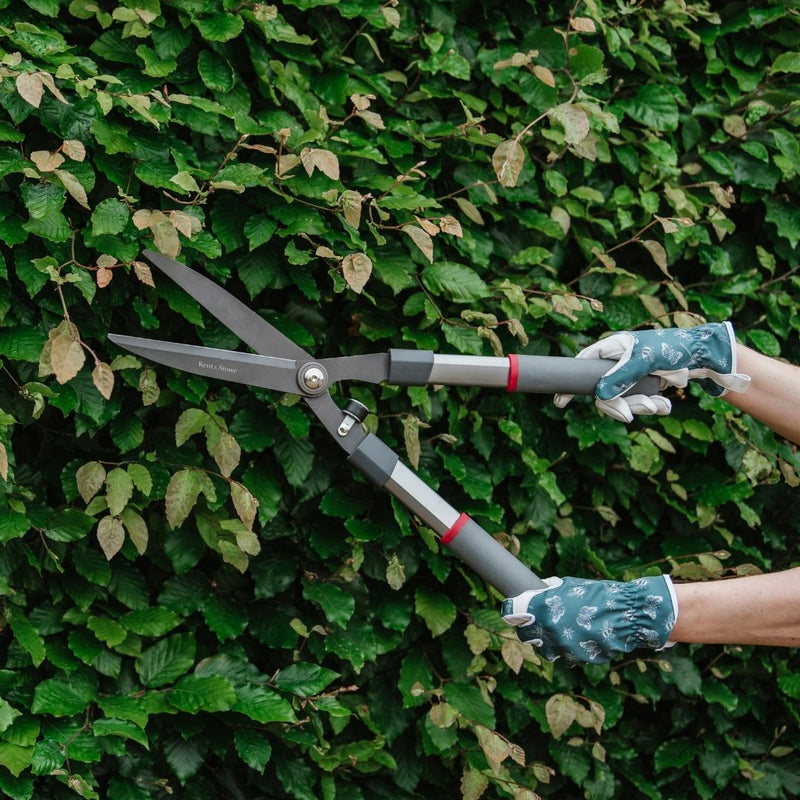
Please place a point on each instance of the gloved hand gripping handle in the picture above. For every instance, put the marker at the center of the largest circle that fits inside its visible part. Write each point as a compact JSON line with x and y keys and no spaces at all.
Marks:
{"x":461,"y":534}
{"x":515,"y":373}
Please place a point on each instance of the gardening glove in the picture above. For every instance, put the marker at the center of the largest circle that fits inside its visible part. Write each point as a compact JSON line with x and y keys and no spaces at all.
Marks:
{"x":593,"y":621}
{"x":676,"y":355}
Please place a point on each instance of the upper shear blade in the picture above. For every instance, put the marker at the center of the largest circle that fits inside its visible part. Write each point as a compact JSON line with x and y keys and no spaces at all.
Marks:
{"x":235,"y":315}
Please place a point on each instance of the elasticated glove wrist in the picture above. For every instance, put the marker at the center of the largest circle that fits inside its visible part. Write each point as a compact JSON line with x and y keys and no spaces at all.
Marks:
{"x":594,"y":621}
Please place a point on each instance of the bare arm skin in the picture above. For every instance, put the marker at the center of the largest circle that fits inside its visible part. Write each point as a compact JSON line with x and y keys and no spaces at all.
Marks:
{"x":758,"y":609}
{"x":774,"y":393}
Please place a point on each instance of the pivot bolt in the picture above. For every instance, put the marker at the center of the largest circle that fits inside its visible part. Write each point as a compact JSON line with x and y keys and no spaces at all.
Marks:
{"x":312,"y":378}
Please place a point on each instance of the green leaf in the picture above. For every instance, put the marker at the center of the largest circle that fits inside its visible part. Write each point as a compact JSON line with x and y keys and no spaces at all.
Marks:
{"x":190,"y":422}
{"x":253,"y":748}
{"x":653,"y":106}
{"x":304,"y":679}
{"x":786,"y":218}
{"x":337,"y":604}
{"x":262,"y":705}
{"x":166,"y":660}
{"x":109,"y":217}
{"x":467,"y":699}
{"x":155,"y":621}
{"x":437,"y":610}
{"x":107,"y":630}
{"x":786,"y":62}
{"x":455,"y":281}
{"x":220,"y":27}
{"x":7,"y":715}
{"x":63,"y":697}
{"x":194,"y":693}
{"x":26,"y":635}
{"x":15,"y":758}
{"x":226,"y":619}
{"x":673,"y":753}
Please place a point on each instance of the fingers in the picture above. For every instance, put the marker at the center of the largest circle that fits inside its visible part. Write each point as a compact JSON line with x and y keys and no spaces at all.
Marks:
{"x":625,"y":408}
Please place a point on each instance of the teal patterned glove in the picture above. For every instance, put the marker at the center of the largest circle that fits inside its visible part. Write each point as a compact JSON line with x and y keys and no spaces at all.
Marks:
{"x":594,"y":621}
{"x":676,"y":355}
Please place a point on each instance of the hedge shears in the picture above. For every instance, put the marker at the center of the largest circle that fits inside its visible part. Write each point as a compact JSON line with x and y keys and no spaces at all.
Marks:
{"x":281,"y":365}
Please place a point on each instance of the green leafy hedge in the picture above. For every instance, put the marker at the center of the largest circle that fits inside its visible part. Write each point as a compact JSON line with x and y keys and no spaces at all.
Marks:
{"x":200,"y":598}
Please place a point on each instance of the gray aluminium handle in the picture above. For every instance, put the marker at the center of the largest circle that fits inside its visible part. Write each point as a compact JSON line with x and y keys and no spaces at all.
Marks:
{"x":560,"y":375}
{"x":531,"y":374}
{"x":461,"y":534}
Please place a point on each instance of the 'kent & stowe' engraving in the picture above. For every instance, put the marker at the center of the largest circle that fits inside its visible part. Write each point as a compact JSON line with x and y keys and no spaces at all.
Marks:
{"x":218,"y":367}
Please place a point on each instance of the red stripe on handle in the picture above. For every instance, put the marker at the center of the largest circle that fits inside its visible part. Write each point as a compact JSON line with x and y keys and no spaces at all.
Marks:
{"x":455,"y":529}
{"x":513,"y":373}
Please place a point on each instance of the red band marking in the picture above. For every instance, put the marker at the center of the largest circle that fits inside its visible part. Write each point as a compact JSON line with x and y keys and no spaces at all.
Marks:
{"x":455,"y":529}
{"x":513,"y":373}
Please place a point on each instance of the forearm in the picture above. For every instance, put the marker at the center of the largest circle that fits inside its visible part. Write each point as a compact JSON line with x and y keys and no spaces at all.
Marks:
{"x":758,"y":609}
{"x":774,"y":393}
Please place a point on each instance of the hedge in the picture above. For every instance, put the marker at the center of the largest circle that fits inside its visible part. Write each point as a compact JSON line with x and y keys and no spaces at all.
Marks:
{"x":199,"y":597}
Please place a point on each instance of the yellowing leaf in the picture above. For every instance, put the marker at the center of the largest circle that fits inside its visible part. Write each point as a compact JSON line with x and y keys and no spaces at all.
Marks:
{"x":582,"y":24}
{"x":73,"y":149}
{"x":143,"y":273}
{"x":357,"y":268}
{"x":495,"y":747}
{"x":656,"y":308}
{"x":136,"y":528}
{"x":323,"y":160}
{"x":245,"y":503}
{"x":411,"y":437}
{"x":111,"y":536}
{"x":560,"y":711}
{"x":470,"y":210}
{"x":103,"y":379}
{"x":89,"y":479}
{"x":372,"y":118}
{"x":66,"y":357}
{"x":395,"y":573}
{"x":451,"y":225}
{"x":545,"y":75}
{"x":659,"y":254}
{"x":573,"y":119}
{"x":421,"y":239}
{"x":3,"y":462}
{"x":103,"y":277}
{"x":183,"y":490}
{"x":187,"y":224}
{"x":73,"y":186}
{"x":507,"y":161}
{"x":227,"y":453}
{"x":46,"y":161}
{"x":30,"y":87}
{"x":148,"y":386}
{"x":350,"y":202}
{"x":119,"y":490}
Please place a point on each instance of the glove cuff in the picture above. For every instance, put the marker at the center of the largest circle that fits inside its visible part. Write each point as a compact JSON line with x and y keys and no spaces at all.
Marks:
{"x":714,"y":359}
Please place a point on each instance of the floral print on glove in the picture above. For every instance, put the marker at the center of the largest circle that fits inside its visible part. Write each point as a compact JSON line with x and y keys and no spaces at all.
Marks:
{"x":593,"y":621}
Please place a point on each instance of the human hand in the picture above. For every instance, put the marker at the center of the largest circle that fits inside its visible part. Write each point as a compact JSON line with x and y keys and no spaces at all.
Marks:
{"x":676,"y":355}
{"x":593,"y":621}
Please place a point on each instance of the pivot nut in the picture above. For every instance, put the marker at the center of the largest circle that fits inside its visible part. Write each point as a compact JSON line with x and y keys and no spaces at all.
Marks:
{"x":312,"y":378}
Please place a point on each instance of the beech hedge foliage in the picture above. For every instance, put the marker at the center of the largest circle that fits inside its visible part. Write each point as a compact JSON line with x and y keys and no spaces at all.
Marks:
{"x":199,"y":598}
